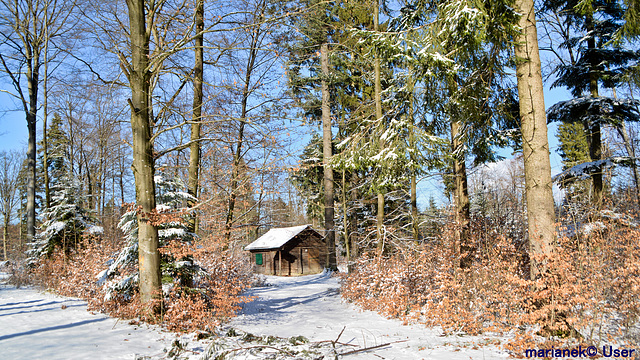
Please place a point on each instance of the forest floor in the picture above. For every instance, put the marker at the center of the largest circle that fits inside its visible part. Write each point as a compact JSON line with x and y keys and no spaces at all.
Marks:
{"x":297,"y":317}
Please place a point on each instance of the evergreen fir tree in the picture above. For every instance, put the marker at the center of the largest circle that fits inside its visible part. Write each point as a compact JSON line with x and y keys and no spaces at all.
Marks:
{"x":66,"y":219}
{"x":574,"y":150}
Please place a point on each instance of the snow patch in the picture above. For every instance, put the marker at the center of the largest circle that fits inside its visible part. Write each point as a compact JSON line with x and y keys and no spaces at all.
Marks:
{"x":96,"y":230}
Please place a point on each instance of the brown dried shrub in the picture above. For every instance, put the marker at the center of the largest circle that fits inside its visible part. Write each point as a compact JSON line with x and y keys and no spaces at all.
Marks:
{"x":213,"y":297}
{"x":589,"y":294}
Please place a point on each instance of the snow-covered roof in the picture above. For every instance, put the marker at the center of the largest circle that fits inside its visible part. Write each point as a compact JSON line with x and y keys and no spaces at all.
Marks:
{"x":275,"y":238}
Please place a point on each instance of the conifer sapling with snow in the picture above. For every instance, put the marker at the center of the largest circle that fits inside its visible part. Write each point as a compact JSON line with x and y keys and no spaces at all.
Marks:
{"x":65,"y":219}
{"x":121,"y":277}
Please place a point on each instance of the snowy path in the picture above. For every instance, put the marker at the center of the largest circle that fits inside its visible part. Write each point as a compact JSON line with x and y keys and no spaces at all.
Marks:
{"x":35,"y":325}
{"x":311,"y":306}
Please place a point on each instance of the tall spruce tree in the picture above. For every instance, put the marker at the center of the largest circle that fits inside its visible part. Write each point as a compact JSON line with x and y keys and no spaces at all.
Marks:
{"x":457,"y":75}
{"x":599,"y":63}
{"x":308,"y":179}
{"x":320,"y":80}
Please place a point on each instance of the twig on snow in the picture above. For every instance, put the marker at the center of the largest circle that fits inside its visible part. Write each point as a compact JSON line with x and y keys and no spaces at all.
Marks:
{"x":259,"y":346}
{"x":370,"y":348}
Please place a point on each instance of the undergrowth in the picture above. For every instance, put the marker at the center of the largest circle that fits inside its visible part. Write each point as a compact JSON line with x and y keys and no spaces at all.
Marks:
{"x":590,"y":293}
{"x":213,"y":296}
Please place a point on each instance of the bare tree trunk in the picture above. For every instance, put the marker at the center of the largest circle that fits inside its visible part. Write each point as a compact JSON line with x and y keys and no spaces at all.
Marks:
{"x":327,"y":153}
{"x":537,"y":167}
{"x":32,"y":84}
{"x":462,"y":245}
{"x":593,"y":129}
{"x":90,"y":182}
{"x":622,"y":130}
{"x":143,"y":161}
{"x":194,"y":148}
{"x":20,"y":234}
{"x":45,"y":116}
{"x":5,"y":230}
{"x":5,"y":234}
{"x":413,"y":185}
{"x":415,"y":221}
{"x":378,"y":102}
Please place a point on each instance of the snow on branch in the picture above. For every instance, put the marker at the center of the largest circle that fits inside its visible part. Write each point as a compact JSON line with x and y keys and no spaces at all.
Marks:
{"x":593,"y":110}
{"x":584,"y":170}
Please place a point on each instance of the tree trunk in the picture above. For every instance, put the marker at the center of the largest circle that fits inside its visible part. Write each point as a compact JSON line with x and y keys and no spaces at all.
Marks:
{"x":345,"y":222}
{"x":537,"y":167}
{"x":462,"y":245}
{"x":378,"y":102}
{"x":194,"y":148}
{"x":45,"y":116}
{"x":21,"y":225}
{"x":412,"y":145}
{"x":622,"y":130}
{"x":594,"y":132}
{"x":415,"y":221}
{"x":33,"y":78}
{"x":327,"y":153}
{"x":143,"y":161}
{"x":5,"y":234}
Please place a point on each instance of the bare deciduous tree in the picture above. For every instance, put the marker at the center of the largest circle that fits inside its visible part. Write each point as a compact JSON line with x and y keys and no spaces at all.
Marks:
{"x":26,"y":28}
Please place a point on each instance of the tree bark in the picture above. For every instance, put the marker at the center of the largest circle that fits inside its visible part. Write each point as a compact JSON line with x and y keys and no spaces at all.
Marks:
{"x":194,"y":148}
{"x":143,"y":161}
{"x":345,"y":222}
{"x":327,"y":153}
{"x":45,"y":117}
{"x":462,"y":246}
{"x":593,"y":130}
{"x":537,"y":166}
{"x":622,"y":130}
{"x":5,"y":234}
{"x":412,"y":145}
{"x":33,"y":75}
{"x":378,"y":102}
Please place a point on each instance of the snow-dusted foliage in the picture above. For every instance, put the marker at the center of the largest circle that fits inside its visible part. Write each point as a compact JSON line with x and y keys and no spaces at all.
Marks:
{"x":65,"y":220}
{"x":584,"y":170}
{"x":595,"y":110}
{"x":121,"y":276}
{"x":64,"y":217}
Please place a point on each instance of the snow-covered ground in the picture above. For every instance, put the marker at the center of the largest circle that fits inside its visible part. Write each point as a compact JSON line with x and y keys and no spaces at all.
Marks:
{"x":311,"y":306}
{"x":35,"y":325}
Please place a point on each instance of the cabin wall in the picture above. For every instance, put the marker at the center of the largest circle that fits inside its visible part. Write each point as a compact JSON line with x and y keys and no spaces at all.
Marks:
{"x":299,"y":257}
{"x":266,"y":268}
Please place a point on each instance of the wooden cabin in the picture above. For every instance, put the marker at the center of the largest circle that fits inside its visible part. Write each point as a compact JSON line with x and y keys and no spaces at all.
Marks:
{"x":291,"y":251}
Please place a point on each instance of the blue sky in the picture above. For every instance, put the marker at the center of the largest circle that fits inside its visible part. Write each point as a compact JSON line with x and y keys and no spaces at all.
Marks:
{"x":13,"y":125}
